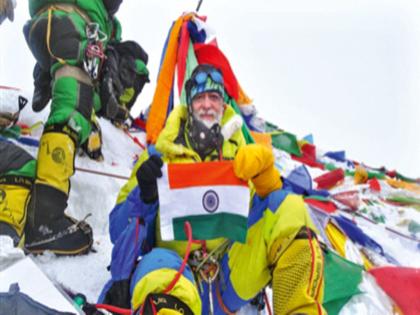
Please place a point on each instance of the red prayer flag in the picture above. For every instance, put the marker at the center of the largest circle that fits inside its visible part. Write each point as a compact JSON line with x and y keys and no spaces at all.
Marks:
{"x":326,"y":206}
{"x":330,"y":179}
{"x":308,"y":156}
{"x":374,"y":184}
{"x":350,"y":199}
{"x":402,"y":284}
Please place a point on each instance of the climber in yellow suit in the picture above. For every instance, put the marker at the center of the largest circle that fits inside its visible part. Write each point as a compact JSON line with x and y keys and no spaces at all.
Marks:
{"x":281,"y":247}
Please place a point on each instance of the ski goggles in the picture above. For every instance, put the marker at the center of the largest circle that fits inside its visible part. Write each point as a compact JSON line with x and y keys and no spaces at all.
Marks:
{"x":200,"y":78}
{"x":206,"y":80}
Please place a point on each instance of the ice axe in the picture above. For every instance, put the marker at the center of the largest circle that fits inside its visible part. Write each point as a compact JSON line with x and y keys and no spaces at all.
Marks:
{"x":199,"y":5}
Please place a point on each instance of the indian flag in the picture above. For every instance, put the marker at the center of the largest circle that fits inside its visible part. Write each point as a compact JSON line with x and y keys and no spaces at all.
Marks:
{"x":208,"y":195}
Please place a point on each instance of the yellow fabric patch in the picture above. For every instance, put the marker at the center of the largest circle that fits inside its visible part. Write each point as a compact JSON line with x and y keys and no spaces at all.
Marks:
{"x":56,"y":160}
{"x":298,"y":285}
{"x":158,"y":280}
{"x":13,"y":201}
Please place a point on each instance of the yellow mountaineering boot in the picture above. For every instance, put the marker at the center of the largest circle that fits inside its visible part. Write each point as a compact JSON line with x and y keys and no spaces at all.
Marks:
{"x":298,"y":280}
{"x":48,"y":227}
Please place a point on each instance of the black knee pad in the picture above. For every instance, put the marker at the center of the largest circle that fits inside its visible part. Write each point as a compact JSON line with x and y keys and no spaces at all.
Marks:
{"x":65,"y":40}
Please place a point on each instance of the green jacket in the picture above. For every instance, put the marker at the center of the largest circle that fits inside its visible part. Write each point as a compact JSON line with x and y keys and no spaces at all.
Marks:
{"x":95,"y":9}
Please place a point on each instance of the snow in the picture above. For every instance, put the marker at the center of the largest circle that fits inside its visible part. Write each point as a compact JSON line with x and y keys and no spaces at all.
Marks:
{"x":95,"y":195}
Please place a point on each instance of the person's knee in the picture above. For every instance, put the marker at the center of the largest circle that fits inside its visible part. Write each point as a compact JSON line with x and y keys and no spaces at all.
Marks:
{"x":73,"y":102}
{"x":154,"y":275}
{"x":60,"y":38}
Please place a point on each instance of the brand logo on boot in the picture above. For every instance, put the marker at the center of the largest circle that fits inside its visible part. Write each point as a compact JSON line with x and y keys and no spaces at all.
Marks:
{"x":58,"y":155}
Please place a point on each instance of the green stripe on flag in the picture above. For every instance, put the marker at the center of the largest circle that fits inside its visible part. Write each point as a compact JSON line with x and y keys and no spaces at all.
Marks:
{"x":210,"y":226}
{"x":342,"y":278}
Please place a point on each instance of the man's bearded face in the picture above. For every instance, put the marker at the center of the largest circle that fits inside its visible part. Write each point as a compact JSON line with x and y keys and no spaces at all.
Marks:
{"x":207,"y":107}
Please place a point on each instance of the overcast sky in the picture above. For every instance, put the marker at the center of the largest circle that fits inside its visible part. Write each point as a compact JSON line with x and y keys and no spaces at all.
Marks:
{"x":346,"y":71}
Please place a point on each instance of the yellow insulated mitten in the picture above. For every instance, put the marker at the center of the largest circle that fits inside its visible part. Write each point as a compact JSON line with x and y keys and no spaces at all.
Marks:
{"x":255,"y":162}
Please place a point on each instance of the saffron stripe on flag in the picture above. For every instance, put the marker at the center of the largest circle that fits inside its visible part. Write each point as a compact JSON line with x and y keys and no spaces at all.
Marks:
{"x":183,"y":175}
{"x":211,"y":226}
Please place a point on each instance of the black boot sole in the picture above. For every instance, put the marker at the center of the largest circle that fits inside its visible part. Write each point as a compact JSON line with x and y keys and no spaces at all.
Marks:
{"x":39,"y":245}
{"x":58,"y":252}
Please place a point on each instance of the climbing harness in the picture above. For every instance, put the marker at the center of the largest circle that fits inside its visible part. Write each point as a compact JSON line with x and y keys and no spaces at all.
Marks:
{"x":94,"y":54}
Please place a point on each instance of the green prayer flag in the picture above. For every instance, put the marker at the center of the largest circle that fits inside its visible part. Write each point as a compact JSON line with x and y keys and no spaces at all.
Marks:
{"x":287,"y":142}
{"x":342,"y":278}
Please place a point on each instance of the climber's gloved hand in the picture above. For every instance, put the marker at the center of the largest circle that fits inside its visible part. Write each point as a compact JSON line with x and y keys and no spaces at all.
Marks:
{"x":119,"y":294}
{"x":147,"y":175}
{"x":255,"y":162}
{"x":92,"y":147}
{"x":122,"y":119}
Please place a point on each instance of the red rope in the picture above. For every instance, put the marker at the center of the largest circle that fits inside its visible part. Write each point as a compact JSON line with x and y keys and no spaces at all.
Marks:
{"x":220,"y":300}
{"x":137,"y":230}
{"x":267,"y":303}
{"x":135,"y":139}
{"x":81,"y":169}
{"x":188,"y":231}
{"x":153,"y":306}
{"x":310,"y":284}
{"x":114,"y":309}
{"x":312,"y":261}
